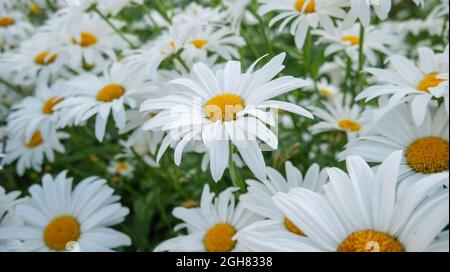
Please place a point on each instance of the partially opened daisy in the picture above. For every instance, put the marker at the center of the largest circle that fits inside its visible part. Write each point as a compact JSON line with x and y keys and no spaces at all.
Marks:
{"x":425,"y":147}
{"x":57,"y":215}
{"x":9,"y":222}
{"x":212,"y":226}
{"x":222,"y":108}
{"x":100,"y":96}
{"x":340,"y":116}
{"x":303,"y":14}
{"x":31,"y":152}
{"x":362,"y":212}
{"x":375,"y":41}
{"x":38,"y":112}
{"x":14,"y":28}
{"x":420,"y":85}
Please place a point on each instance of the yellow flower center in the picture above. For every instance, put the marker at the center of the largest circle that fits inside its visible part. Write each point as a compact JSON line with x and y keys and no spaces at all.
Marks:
{"x":325,"y":92}
{"x":61,"y":231}
{"x":220,"y":238}
{"x":7,"y":21}
{"x":87,"y":40}
{"x":428,"y":155}
{"x":110,"y":92}
{"x":430,"y":81}
{"x":370,"y":241}
{"x":190,"y":203}
{"x":35,"y":140}
{"x":49,"y":105}
{"x":310,"y":8}
{"x":354,"y":40}
{"x":199,"y":44}
{"x":44,"y":59}
{"x":122,"y":166}
{"x":293,"y":228}
{"x":349,"y":125}
{"x":34,"y":9}
{"x":224,"y":107}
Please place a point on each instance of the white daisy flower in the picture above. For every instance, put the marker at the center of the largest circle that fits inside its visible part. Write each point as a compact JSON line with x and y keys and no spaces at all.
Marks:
{"x":57,"y":216}
{"x":31,"y":153}
{"x":425,"y":147}
{"x":7,"y":99}
{"x":236,"y":11}
{"x":121,"y":168}
{"x":100,"y":96}
{"x":223,"y":107}
{"x":339,"y":115}
{"x":375,"y":40}
{"x":303,"y":14}
{"x":325,"y":89}
{"x":113,"y":7}
{"x":405,"y":81}
{"x":14,"y":28}
{"x":362,"y":212}
{"x":210,"y":227}
{"x":196,"y":14}
{"x":361,"y":9}
{"x":9,"y":221}
{"x":37,"y":112}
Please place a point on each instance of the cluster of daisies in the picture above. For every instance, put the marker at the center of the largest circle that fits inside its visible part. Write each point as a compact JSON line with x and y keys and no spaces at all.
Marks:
{"x":197,"y":86}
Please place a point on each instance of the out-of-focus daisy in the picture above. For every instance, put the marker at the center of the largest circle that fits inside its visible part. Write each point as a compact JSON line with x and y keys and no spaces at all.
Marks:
{"x":7,"y":99}
{"x":56,"y":216}
{"x":225,"y":107}
{"x":258,"y":199}
{"x":425,"y":147}
{"x":362,"y":212}
{"x":339,"y":115}
{"x":100,"y":96}
{"x":196,"y":14}
{"x":121,"y":168}
{"x":325,"y":89}
{"x":212,"y":226}
{"x":14,"y":28}
{"x":37,"y":112}
{"x":115,"y":6}
{"x":236,"y":10}
{"x":420,"y":85}
{"x":361,"y":9}
{"x":375,"y":40}
{"x":303,"y":14}
{"x":31,"y":153}
{"x":9,"y":221}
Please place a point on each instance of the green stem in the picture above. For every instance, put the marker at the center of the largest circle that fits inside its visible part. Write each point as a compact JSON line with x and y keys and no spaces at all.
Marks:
{"x":16,"y":89}
{"x":234,"y":171}
{"x":348,"y":72}
{"x":307,"y":52}
{"x":183,"y":63}
{"x":163,"y":10}
{"x":361,"y":59}
{"x":262,"y":27}
{"x":130,"y":44}
{"x":50,"y":5}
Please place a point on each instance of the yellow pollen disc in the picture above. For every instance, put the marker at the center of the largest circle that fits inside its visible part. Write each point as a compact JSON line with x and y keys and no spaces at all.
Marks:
{"x":349,"y":125}
{"x":293,"y":228}
{"x":220,"y":238}
{"x":354,"y":40}
{"x":199,"y":44}
{"x":110,"y":92}
{"x":122,"y":166}
{"x":430,"y":81}
{"x":34,"y":9}
{"x":87,"y":40}
{"x":325,"y":92}
{"x":310,"y":8}
{"x":50,"y":104}
{"x":61,"y":231}
{"x":370,"y":241}
{"x":35,"y":140}
{"x":7,"y":21}
{"x":190,"y":203}
{"x":428,"y":155}
{"x":44,"y":59}
{"x":224,"y":107}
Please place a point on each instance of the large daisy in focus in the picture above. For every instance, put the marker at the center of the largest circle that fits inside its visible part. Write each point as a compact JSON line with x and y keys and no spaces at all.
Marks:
{"x":57,"y":217}
{"x":8,"y":221}
{"x":362,"y":212}
{"x":223,"y":108}
{"x":425,"y":147}
{"x":212,"y":226}
{"x":303,"y":14}
{"x":405,"y":81}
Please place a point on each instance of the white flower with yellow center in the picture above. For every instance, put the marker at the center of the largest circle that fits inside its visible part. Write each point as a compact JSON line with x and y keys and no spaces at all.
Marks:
{"x":303,"y":14}
{"x":223,"y":108}
{"x":14,"y":28}
{"x":100,"y":96}
{"x":405,"y":81}
{"x":212,"y":226}
{"x":31,"y":153}
{"x":121,"y":168}
{"x":362,"y":212}
{"x":340,"y":116}
{"x":57,"y":216}
{"x":324,"y":89}
{"x":375,"y":41}
{"x":9,"y":222}
{"x":37,"y":112}
{"x":425,"y":147}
